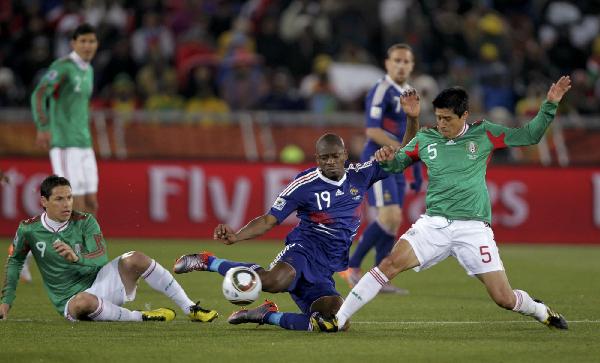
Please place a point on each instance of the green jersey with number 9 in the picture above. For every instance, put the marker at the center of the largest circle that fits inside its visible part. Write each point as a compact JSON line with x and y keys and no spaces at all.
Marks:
{"x":457,"y":167}
{"x":62,"y":279}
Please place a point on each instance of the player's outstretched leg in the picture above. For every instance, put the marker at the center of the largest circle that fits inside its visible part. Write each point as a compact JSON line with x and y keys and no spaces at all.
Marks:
{"x":540,"y":311}
{"x":268,"y":313}
{"x":206,"y":261}
{"x":161,"y":280}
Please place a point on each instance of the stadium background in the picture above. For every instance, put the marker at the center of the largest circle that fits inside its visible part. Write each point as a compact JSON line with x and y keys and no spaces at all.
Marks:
{"x":204,"y":110}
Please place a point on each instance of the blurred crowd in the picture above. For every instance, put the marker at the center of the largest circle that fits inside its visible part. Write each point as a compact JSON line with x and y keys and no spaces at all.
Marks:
{"x":309,"y":55}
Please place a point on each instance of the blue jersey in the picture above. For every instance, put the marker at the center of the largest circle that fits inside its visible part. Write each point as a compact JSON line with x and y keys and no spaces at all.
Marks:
{"x":384,"y":111}
{"x":329,"y":211}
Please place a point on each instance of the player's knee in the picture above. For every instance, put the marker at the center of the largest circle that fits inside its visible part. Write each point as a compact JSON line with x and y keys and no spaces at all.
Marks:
{"x":391,"y":218}
{"x":274,"y":282}
{"x":82,"y":304}
{"x":135,"y":261}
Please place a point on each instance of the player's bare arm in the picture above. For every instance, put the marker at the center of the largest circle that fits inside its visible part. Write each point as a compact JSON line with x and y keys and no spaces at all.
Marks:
{"x":65,"y":251}
{"x":379,"y":136}
{"x":256,"y":227}
{"x":411,"y":105}
{"x":557,"y":90}
{"x":43,"y":139}
{"x":386,"y":153}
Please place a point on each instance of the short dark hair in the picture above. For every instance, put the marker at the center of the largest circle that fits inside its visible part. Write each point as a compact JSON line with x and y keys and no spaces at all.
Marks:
{"x":82,"y":29}
{"x":454,"y":98}
{"x":405,"y":46}
{"x":330,"y":139}
{"x":52,"y":182}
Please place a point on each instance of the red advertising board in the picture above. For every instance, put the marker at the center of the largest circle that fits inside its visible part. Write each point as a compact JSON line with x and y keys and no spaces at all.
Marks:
{"x":170,"y":199}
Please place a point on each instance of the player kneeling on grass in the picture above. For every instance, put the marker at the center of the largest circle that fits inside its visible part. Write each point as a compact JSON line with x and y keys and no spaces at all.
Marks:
{"x":80,"y":280}
{"x":456,"y":222}
{"x":327,"y":200}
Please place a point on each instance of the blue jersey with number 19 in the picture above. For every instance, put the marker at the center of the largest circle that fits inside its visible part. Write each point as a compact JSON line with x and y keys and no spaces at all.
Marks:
{"x":328,"y":210}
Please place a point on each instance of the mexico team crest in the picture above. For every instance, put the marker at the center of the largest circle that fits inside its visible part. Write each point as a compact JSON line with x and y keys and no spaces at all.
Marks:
{"x":472,"y":147}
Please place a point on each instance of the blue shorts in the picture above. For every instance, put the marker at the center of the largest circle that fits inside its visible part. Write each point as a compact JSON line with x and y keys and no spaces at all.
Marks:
{"x":311,"y":282}
{"x":388,"y":191}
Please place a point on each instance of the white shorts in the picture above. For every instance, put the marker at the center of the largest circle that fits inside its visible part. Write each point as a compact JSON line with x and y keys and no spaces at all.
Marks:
{"x":79,"y":166}
{"x":472,"y":243}
{"x":108,"y":286}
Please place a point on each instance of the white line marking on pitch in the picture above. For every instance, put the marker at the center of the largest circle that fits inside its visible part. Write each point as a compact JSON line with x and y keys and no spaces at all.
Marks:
{"x":376,"y":322}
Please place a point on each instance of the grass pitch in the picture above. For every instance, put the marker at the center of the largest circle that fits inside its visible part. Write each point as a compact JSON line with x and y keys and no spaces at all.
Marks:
{"x":447,"y":317}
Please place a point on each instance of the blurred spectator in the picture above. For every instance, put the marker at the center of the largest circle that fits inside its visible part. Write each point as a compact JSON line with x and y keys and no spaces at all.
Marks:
{"x":152,"y":35}
{"x":241,"y":81}
{"x":122,"y":97}
{"x":203,"y":104}
{"x":291,"y":154}
{"x":316,"y":88}
{"x":118,"y":60}
{"x":281,"y":94}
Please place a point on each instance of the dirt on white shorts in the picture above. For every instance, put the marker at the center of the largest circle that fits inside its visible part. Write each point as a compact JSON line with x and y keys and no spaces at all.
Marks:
{"x":79,"y":166}
{"x":472,"y":243}
{"x":108,"y":286}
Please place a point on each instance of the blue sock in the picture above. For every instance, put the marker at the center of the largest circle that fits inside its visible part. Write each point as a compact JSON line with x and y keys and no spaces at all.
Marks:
{"x":289,"y":321}
{"x":383,"y":247}
{"x":221,"y":266}
{"x":369,"y":238}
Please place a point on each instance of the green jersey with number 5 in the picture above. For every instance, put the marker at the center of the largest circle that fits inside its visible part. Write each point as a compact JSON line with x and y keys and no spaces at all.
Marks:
{"x":62,"y":279}
{"x":60,"y":103}
{"x":457,"y":167}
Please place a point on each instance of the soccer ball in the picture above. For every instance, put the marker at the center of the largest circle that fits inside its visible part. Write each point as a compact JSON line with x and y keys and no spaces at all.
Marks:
{"x":241,"y":285}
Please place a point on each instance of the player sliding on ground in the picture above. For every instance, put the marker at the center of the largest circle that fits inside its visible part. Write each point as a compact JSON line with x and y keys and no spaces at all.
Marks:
{"x":81,"y":282}
{"x":327,"y":201}
{"x":456,"y":222}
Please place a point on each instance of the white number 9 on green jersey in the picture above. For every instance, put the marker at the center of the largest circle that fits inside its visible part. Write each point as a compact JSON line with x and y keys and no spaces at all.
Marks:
{"x":41,"y":246}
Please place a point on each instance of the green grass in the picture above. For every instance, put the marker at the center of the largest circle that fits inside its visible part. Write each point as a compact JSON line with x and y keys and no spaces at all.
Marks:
{"x":447,"y":317}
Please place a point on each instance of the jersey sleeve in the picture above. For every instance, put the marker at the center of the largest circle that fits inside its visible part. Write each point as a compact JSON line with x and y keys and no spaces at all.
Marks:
{"x":286,"y":202}
{"x":404,"y":157}
{"x":373,"y":171}
{"x":48,"y":85}
{"x":529,"y":134}
{"x":375,"y":106}
{"x":16,"y":258}
{"x":93,"y":253}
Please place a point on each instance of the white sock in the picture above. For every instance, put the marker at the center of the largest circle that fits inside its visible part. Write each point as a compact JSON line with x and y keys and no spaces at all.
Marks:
{"x":526,"y":306}
{"x":161,"y":280}
{"x":108,"y":311}
{"x":364,"y":291}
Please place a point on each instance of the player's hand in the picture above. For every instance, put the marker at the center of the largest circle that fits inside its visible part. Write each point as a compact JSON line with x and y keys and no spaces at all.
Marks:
{"x":4,"y":308}
{"x":42,"y":139}
{"x":65,"y":251}
{"x":224,"y":233}
{"x":386,"y":153}
{"x":409,"y":101}
{"x":558,"y":89}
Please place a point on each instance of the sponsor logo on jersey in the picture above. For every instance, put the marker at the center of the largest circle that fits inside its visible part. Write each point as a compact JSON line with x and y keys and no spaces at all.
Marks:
{"x":279,"y":203}
{"x":339,"y":192}
{"x":450,"y":142}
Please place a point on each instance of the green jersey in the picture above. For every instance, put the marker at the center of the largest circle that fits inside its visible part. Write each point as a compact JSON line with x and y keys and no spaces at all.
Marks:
{"x":456,"y":167}
{"x":62,"y":279}
{"x":60,"y":103}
